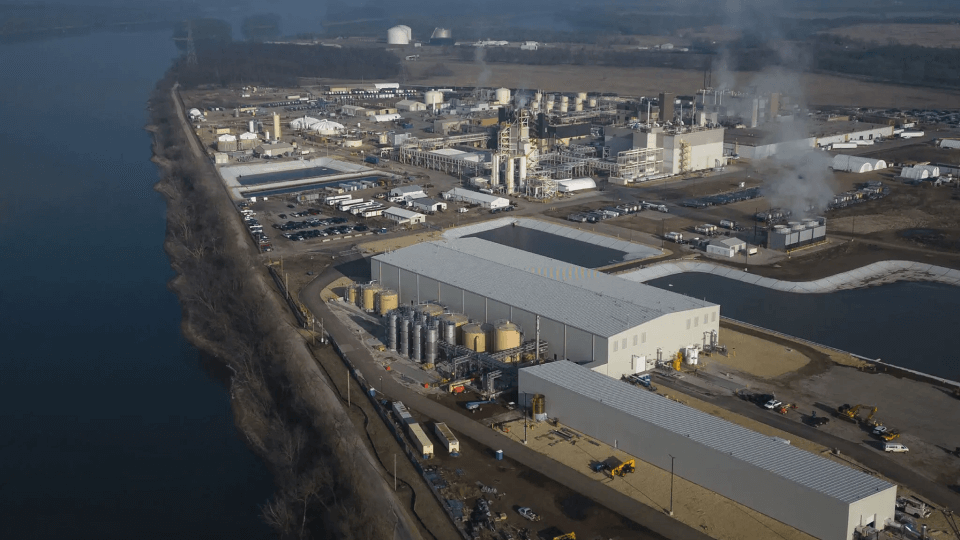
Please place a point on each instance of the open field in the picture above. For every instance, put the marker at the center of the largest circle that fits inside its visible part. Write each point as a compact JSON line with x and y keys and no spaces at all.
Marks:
{"x":818,"y":89}
{"x":925,"y":35}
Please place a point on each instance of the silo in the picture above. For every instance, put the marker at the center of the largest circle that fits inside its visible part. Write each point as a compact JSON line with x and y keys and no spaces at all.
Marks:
{"x":449,"y":332}
{"x":506,"y":335}
{"x":474,"y":337}
{"x":407,"y":31}
{"x":578,"y":104}
{"x":415,"y":339}
{"x":495,"y":171}
{"x":252,"y":126}
{"x":398,"y":36}
{"x":276,"y":126}
{"x":581,"y":96}
{"x":387,"y":301}
{"x":370,"y":296}
{"x":508,"y":175}
{"x":550,"y":102}
{"x":392,"y":331}
{"x":592,"y":103}
{"x":430,"y":356}
{"x":404,"y":336}
{"x":539,"y":406}
{"x":502,"y":95}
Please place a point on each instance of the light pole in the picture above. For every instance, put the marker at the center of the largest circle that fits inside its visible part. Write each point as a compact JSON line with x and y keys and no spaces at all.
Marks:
{"x":671,"y":483}
{"x":525,"y":412}
{"x":381,"y":384}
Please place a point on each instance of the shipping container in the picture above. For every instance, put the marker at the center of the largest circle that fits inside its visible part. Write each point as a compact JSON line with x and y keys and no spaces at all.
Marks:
{"x":402,"y":414}
{"x":372,"y":159}
{"x":420,"y":440}
{"x":446,"y":436}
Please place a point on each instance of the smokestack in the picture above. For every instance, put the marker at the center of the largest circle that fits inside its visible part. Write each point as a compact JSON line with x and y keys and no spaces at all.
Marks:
{"x":276,"y":125}
{"x":666,"y":107}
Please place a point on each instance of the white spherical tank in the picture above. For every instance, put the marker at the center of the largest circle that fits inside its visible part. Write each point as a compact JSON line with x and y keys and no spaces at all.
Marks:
{"x":398,"y":36}
{"x":503,"y":95}
{"x":432,"y":97}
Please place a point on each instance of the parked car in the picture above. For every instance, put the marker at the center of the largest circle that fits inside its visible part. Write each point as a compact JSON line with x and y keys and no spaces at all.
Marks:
{"x":528,"y":513}
{"x":772,"y":404}
{"x":895,"y":447}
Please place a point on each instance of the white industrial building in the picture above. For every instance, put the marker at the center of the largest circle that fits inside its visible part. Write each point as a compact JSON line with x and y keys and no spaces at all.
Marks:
{"x":274,"y":150}
{"x":818,"y":496}
{"x":410,"y":105}
{"x":408,"y":192}
{"x":691,"y":150}
{"x":385,"y":117}
{"x":857,"y":164}
{"x":401,"y":216}
{"x":609,"y":324}
{"x":576,"y":184}
{"x":426,"y":204}
{"x":761,"y":144}
{"x":950,"y":143}
{"x":727,"y":247}
{"x":474,"y":197}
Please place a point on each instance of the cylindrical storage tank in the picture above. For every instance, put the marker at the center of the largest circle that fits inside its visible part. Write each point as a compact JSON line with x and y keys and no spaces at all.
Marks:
{"x":578,"y":104}
{"x":430,"y":310}
{"x":350,"y":143}
{"x":352,"y":295}
{"x":453,"y":321}
{"x":564,"y":107}
{"x":550,"y":102}
{"x":404,"y":336}
{"x":564,"y":100}
{"x":539,"y":406}
{"x":474,"y":337}
{"x":449,"y":332}
{"x":592,"y":103}
{"x":383,"y":138}
{"x":433,"y":332}
{"x":407,"y":30}
{"x":415,"y":342}
{"x":810,"y":223}
{"x":797,"y":226}
{"x":252,"y":126}
{"x":392,"y":331}
{"x":502,"y":95}
{"x":506,"y":335}
{"x":432,"y":97}
{"x":581,"y":96}
{"x":370,"y":296}
{"x":398,"y":36}
{"x":691,"y":355}
{"x":387,"y":301}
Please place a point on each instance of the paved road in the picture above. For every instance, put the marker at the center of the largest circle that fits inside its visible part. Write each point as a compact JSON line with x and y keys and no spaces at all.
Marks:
{"x":936,"y":493}
{"x":657,"y":521}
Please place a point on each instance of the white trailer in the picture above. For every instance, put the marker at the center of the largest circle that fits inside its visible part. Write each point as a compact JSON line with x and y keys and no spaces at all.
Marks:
{"x":333,"y":200}
{"x":372,"y":213}
{"x":420,"y":440}
{"x":445,"y":435}
{"x":347,"y":205}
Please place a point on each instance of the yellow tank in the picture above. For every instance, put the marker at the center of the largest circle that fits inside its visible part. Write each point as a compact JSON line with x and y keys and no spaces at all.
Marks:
{"x":370,"y":296}
{"x":352,"y":294}
{"x":474,"y":337}
{"x":432,"y":310}
{"x":458,"y":319}
{"x":387,"y":301}
{"x":506,"y":335}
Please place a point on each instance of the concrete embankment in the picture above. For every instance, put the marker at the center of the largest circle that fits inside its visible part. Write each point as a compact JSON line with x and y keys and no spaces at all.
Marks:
{"x":878,"y":273}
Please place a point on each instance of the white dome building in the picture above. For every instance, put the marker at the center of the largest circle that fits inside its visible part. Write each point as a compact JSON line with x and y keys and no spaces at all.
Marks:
{"x":306,"y":122}
{"x":856,"y":164}
{"x":327,"y":127}
{"x":195,"y":113}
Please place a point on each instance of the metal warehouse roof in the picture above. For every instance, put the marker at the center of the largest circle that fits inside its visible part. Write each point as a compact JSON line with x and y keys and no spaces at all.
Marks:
{"x":583,"y":298}
{"x":799,"y":466}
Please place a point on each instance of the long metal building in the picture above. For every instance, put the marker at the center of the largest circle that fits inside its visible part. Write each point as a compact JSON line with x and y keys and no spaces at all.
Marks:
{"x":823,"y":498}
{"x":604,"y":322}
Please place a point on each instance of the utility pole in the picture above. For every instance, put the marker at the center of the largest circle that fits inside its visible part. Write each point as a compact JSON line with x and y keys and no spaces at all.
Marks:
{"x":671,"y":483}
{"x":526,"y":412}
{"x":394,"y":472}
{"x":538,"y":344}
{"x":348,"y":388}
{"x":286,"y":285}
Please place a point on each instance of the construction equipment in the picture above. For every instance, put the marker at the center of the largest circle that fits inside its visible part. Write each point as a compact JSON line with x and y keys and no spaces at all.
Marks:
{"x":568,"y":536}
{"x":869,"y":421}
{"x":785,"y":408}
{"x":677,"y":360}
{"x":622,"y":469}
{"x":889,"y":435}
{"x":849,"y":413}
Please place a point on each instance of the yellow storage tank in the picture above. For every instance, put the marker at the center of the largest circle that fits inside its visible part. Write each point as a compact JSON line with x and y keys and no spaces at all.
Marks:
{"x":387,"y":301}
{"x":352,"y":294}
{"x":370,"y":296}
{"x":474,"y":337}
{"x":432,"y":310}
{"x":506,"y":335}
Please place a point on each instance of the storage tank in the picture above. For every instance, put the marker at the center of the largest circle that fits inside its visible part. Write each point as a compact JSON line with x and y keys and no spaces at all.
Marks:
{"x":252,"y":126}
{"x":550,"y":102}
{"x":797,"y":226}
{"x":415,"y":339}
{"x":352,"y":295}
{"x":404,"y":336}
{"x":781,"y":228}
{"x":398,"y":35}
{"x":502,"y":95}
{"x":383,"y":138}
{"x":581,"y":96}
{"x":430,"y":344}
{"x":691,"y":355}
{"x":387,"y":301}
{"x":433,"y":98}
{"x":592,"y":103}
{"x":810,"y":223}
{"x":474,"y":337}
{"x":577,"y":104}
{"x":392,"y":331}
{"x":452,"y":322}
{"x":538,"y":405}
{"x":506,"y":335}
{"x":430,"y":310}
{"x":564,"y":104}
{"x":370,"y":296}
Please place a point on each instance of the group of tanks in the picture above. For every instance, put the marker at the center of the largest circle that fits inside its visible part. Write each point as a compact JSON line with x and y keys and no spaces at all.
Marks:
{"x":415,"y":331}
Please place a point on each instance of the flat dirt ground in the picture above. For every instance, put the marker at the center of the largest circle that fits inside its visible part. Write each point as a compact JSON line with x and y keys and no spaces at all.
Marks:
{"x":925,"y":35}
{"x":818,"y":89}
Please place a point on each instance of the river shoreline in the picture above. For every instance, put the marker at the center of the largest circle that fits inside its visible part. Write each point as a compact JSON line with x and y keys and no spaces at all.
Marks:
{"x":878,"y":273}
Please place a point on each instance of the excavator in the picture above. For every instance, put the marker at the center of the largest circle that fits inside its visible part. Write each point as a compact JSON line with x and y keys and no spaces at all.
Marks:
{"x":568,"y":536}
{"x":869,"y":420}
{"x":849,"y":413}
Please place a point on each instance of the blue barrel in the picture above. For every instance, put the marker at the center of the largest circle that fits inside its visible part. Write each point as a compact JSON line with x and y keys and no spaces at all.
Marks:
{"x":373,"y":392}
{"x":499,"y":455}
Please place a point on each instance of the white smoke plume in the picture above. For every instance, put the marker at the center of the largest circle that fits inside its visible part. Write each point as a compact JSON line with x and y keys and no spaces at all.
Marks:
{"x":483,"y":78}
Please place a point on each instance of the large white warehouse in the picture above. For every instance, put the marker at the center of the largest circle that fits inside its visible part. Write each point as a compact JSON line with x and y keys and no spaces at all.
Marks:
{"x":604,"y":322}
{"x":820,"y":497}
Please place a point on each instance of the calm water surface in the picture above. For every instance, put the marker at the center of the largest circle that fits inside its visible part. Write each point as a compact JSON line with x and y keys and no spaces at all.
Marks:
{"x":113,"y":427}
{"x":552,"y":245}
{"x":911,"y":325}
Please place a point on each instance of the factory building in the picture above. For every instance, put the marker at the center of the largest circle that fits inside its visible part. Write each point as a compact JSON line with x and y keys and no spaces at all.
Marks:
{"x":761,"y":144}
{"x":403,"y":217}
{"x":604,"y":322}
{"x":473,"y":197}
{"x":409,"y":105}
{"x":820,"y":497}
{"x":691,"y":150}
{"x":274,"y":150}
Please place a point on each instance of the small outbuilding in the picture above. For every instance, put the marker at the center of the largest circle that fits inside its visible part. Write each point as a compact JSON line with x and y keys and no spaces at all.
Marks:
{"x":273,"y":150}
{"x":410,"y":105}
{"x":727,"y":247}
{"x":401,"y":216}
{"x":408,"y":192}
{"x":426,"y":204}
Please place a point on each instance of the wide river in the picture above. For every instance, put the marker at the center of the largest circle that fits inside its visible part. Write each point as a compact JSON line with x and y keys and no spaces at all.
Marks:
{"x":113,"y":425}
